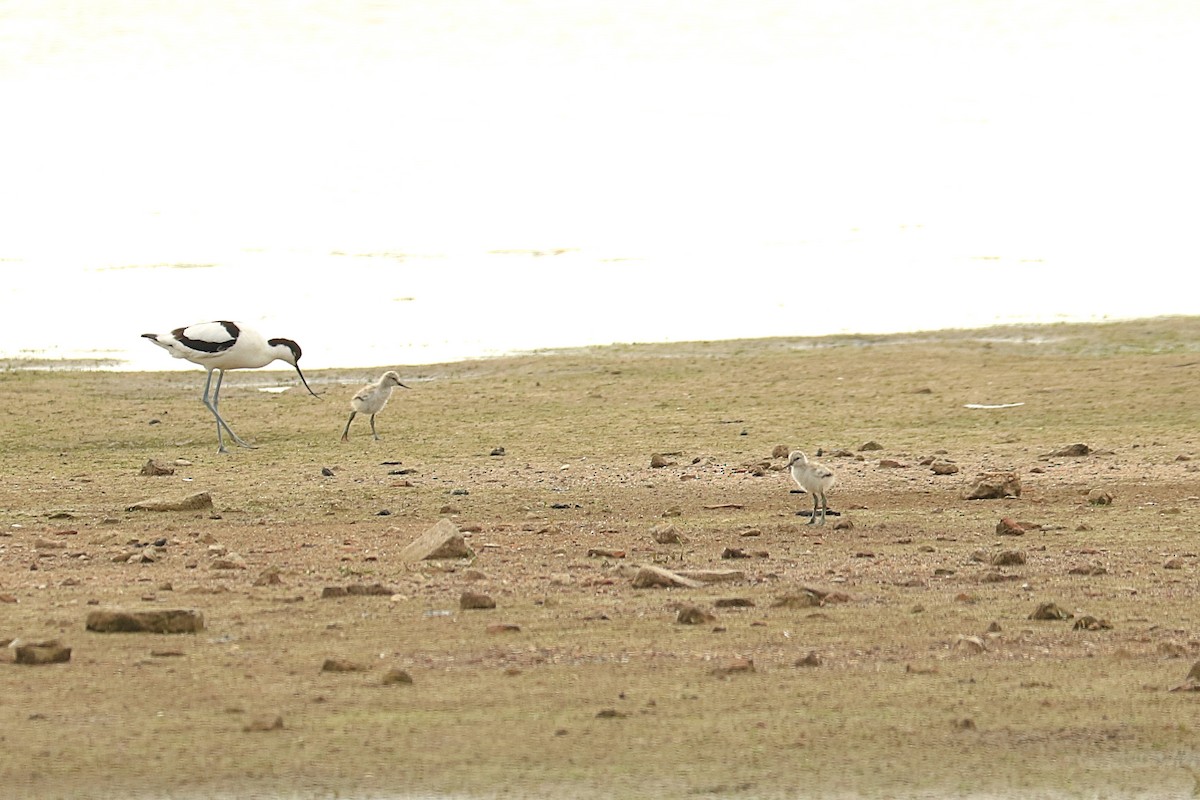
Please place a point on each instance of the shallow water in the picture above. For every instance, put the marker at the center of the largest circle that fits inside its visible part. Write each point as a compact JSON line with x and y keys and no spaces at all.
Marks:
{"x":369,"y":310}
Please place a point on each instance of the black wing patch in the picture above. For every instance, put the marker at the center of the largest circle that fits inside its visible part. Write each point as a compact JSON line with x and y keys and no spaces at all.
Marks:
{"x":205,"y":346}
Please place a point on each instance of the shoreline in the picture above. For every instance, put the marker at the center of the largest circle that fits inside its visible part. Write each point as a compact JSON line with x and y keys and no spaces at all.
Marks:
{"x":111,"y":364}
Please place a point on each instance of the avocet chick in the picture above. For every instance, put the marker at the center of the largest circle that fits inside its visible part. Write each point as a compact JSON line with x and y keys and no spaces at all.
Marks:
{"x":371,"y":399}
{"x":814,"y":478}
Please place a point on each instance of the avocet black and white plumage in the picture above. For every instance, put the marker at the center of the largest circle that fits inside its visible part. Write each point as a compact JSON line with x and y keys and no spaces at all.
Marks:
{"x":814,"y":478}
{"x":221,"y":346}
{"x":371,"y":399}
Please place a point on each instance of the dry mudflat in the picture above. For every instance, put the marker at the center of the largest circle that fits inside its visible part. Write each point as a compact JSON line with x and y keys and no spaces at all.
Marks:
{"x":890,"y":653}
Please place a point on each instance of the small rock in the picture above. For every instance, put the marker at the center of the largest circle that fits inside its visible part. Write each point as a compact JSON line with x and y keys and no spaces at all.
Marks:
{"x":712,"y":575}
{"x":1050,"y":611}
{"x":604,"y":552}
{"x":394,"y":676}
{"x":503,"y":627}
{"x":994,"y":486}
{"x":475,"y":600}
{"x":734,"y":602}
{"x":1187,"y":686}
{"x":1173,"y":563}
{"x":1008,"y":558}
{"x":872,"y":445}
{"x":666,"y":534}
{"x":970,"y":644}
{"x":443,"y":540}
{"x":610,"y":713}
{"x":497,"y":451}
{"x":230,"y":561}
{"x":1009,"y":527}
{"x":649,"y":577}
{"x":658,"y":461}
{"x":271,"y":576}
{"x":694,"y":615}
{"x":341,"y":665}
{"x":890,"y":463}
{"x":163,"y":621}
{"x":48,"y":652}
{"x":780,"y":451}
{"x":200,"y":501}
{"x":1089,"y":623}
{"x":943,"y":468}
{"x":805,"y":599}
{"x":1071,"y":451}
{"x":154,"y":468}
{"x":1099,"y":497}
{"x":734,"y":552}
{"x":810,"y":660}
{"x":369,"y":590}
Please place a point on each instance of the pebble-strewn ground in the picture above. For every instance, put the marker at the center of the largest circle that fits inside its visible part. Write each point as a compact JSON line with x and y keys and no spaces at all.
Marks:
{"x":889,"y":653}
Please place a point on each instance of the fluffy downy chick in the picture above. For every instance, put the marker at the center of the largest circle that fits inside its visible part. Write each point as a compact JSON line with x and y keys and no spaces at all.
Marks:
{"x":371,"y":399}
{"x":814,"y":478}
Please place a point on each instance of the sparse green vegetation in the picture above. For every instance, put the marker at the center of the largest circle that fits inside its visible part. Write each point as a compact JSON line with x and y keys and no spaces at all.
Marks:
{"x":896,"y":707}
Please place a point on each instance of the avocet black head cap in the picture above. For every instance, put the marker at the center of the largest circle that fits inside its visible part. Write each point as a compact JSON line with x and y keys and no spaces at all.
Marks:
{"x":294,"y":349}
{"x":290,"y":345}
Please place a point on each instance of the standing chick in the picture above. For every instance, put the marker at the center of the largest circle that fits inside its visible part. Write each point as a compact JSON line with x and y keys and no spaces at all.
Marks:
{"x":371,"y":399}
{"x":814,"y":478}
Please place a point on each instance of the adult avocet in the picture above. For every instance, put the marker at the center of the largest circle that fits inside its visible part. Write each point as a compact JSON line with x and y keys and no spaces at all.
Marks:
{"x":221,"y":346}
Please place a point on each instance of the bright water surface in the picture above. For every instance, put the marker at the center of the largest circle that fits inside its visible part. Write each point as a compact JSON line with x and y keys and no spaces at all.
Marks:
{"x":373,"y":179}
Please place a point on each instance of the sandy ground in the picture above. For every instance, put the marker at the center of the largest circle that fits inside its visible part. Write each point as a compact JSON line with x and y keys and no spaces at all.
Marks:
{"x":889,"y":653}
